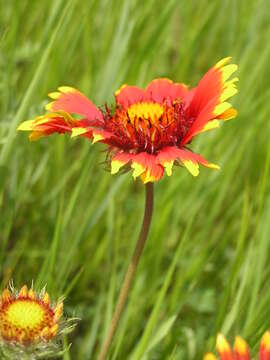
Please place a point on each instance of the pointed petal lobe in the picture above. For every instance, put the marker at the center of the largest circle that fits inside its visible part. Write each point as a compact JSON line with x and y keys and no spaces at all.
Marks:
{"x":190,"y":160}
{"x":223,"y":348}
{"x":264,"y":352}
{"x":128,"y":95}
{"x":209,"y":101}
{"x":74,"y":102}
{"x":240,"y":349}
{"x":160,"y":90}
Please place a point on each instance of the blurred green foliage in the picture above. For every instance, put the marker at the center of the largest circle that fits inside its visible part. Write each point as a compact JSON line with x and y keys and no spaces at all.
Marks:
{"x":66,"y":222}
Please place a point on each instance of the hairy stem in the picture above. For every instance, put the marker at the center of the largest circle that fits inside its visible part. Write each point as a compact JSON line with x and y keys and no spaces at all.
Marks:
{"x":125,"y":289}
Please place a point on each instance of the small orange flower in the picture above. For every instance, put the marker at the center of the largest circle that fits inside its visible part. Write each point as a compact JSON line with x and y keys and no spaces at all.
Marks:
{"x":240,"y":349}
{"x":149,"y":130}
{"x":27,"y":318}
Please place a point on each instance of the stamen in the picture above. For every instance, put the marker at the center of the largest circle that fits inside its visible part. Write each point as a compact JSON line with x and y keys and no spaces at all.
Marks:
{"x":148,"y":126}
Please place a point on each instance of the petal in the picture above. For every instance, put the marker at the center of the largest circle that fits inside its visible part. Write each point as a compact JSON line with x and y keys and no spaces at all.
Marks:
{"x":240,"y":349}
{"x":120,"y":160}
{"x":209,"y":356}
{"x":128,"y":95}
{"x":23,"y":292}
{"x":97,"y":135}
{"x":209,"y":99}
{"x":228,"y":114}
{"x":6,"y":296}
{"x":100,"y":135}
{"x":213,"y":124}
{"x":223,"y":348}
{"x":190,"y":160}
{"x":164,"y":89}
{"x":143,"y":165}
{"x":264,"y":352}
{"x":72,"y":101}
{"x":146,"y":166}
{"x":48,"y":124}
{"x":77,"y":131}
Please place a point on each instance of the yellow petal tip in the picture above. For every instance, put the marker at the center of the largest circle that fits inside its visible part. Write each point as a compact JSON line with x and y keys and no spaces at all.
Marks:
{"x":48,"y":107}
{"x":209,"y":356}
{"x":66,"y":89}
{"x":26,"y":125}
{"x":96,"y":138}
{"x":78,"y":131}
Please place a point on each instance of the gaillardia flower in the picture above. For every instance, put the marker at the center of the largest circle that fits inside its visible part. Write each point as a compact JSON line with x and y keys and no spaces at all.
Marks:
{"x":147,"y":130}
{"x":240,"y":349}
{"x":28,"y":321}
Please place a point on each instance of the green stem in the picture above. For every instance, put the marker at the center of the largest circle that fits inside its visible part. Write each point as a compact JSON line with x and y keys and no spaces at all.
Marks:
{"x":123,"y":296}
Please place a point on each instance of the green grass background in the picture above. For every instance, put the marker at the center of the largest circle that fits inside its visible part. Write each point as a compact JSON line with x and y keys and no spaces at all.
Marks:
{"x":66,"y":222}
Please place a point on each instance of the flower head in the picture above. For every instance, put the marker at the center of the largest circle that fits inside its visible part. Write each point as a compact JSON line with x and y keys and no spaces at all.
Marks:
{"x":148,"y":130}
{"x":240,"y":349}
{"x":27,"y":320}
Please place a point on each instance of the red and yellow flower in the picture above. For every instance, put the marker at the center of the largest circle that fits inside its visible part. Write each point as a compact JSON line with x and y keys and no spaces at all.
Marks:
{"x":27,"y":318}
{"x":148,"y":130}
{"x":240,"y":349}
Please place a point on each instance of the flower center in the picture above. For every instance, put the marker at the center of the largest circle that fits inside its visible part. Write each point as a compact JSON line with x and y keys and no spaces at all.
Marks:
{"x":148,"y":126}
{"x":145,"y":111}
{"x":25,"y":314}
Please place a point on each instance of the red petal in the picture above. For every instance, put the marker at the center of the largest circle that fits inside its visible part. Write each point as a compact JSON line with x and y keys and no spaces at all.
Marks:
{"x":240,"y":349}
{"x":190,"y":160}
{"x":120,"y":160}
{"x":48,"y":124}
{"x":223,"y":348}
{"x":164,"y":89}
{"x":143,"y":165}
{"x":264,"y":353}
{"x":128,"y":95}
{"x":146,"y":166}
{"x":208,"y":101}
{"x":72,"y":101}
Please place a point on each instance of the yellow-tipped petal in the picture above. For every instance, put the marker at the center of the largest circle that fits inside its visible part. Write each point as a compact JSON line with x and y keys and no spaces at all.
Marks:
{"x":6,"y":296}
{"x":228,"y":93}
{"x":58,"y":311}
{"x":221,"y":108}
{"x":78,"y":131}
{"x":23,"y":292}
{"x":35,"y":135}
{"x":54,"y":329}
{"x":168,"y":165}
{"x":209,"y":356}
{"x":97,"y":137}
{"x":116,"y":166}
{"x":266,"y":340}
{"x":117,"y":92}
{"x":26,"y":125}
{"x":146,"y":177}
{"x":46,"y":298}
{"x":66,"y":89}
{"x":31,"y":294}
{"x":228,"y":114}
{"x":138,"y":169}
{"x":228,"y":70}
{"x":232,"y":81}
{"x":223,"y":62}
{"x":222,"y":344}
{"x":49,"y":107}
{"x":192,"y":167}
{"x":240,"y":345}
{"x":54,"y":95}
{"x":213,"y":166}
{"x":213,"y":124}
